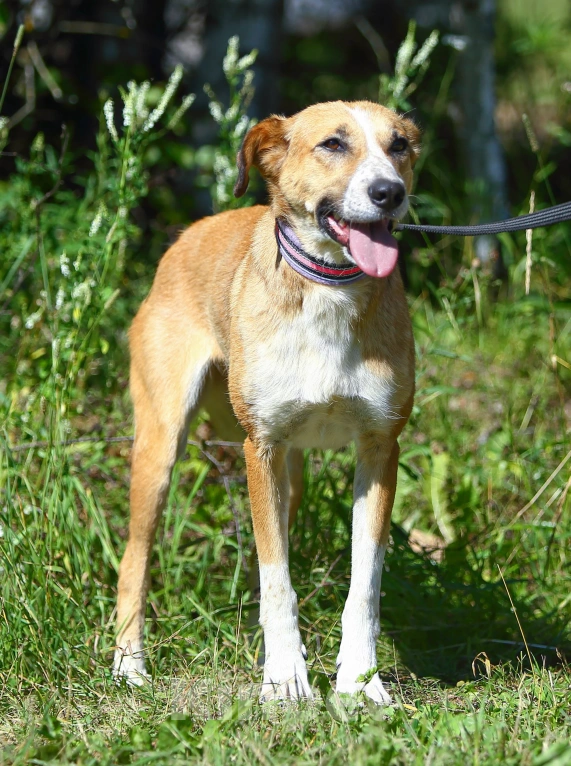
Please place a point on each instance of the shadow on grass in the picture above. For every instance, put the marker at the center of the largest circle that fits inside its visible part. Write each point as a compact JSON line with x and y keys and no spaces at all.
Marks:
{"x":442,"y":615}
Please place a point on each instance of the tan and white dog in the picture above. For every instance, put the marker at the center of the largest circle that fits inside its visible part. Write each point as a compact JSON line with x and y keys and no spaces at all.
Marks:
{"x":297,"y":311}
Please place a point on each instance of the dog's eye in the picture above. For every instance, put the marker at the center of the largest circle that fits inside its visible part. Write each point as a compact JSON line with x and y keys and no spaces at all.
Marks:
{"x":333,"y":145}
{"x":398,"y":145}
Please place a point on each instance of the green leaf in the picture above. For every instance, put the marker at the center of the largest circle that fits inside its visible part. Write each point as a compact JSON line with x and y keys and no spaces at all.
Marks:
{"x":140,"y":738}
{"x":176,"y":733}
{"x":51,"y":727}
{"x":544,"y":172}
{"x":436,"y":481}
{"x":559,"y":754}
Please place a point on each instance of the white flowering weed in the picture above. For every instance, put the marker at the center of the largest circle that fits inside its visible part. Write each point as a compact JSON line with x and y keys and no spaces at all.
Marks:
{"x":233,"y":124}
{"x":170,"y":90}
{"x":108,"y":110}
{"x":410,"y":69}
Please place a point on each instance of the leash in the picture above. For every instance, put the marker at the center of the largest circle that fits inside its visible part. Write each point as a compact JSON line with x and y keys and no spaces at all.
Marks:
{"x":291,"y":249}
{"x":546,"y":217}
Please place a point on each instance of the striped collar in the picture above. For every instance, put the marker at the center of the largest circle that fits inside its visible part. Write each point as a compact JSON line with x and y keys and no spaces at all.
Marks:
{"x":325,"y":274}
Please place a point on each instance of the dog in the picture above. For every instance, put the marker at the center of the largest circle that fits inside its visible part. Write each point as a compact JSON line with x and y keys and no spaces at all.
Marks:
{"x":290,"y":322}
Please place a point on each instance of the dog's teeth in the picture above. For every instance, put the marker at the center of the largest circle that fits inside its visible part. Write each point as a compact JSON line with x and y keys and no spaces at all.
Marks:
{"x":342,"y":222}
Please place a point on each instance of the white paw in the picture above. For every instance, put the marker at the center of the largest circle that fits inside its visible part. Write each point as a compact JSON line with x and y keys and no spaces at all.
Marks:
{"x":285,"y":678}
{"x":130,"y":666}
{"x":373,"y":689}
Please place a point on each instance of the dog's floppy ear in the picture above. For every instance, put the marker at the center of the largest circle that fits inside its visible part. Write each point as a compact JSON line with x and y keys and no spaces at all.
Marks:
{"x":264,"y":147}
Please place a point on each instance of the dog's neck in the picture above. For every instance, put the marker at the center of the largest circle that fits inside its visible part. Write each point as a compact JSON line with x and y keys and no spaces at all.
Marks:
{"x":317,"y":265}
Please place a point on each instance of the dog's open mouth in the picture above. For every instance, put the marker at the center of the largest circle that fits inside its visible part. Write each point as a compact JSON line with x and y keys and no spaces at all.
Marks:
{"x":371,"y":245}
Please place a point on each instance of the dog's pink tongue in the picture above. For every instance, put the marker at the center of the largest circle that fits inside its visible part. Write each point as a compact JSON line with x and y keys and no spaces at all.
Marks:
{"x":373,"y":248}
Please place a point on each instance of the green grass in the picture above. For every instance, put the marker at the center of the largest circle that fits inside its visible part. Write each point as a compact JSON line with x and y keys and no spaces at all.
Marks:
{"x":490,"y":427}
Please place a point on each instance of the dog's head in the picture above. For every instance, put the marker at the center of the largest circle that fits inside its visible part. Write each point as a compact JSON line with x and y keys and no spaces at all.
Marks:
{"x":340,"y":172}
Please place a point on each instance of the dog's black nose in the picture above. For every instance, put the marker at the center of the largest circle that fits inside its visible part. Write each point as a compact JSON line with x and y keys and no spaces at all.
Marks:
{"x":387,"y":195}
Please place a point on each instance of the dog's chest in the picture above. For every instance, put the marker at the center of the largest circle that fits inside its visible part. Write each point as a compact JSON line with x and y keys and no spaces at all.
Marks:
{"x":309,"y":383}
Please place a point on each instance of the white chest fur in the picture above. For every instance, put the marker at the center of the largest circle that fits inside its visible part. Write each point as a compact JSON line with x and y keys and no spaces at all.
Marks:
{"x":309,"y":385}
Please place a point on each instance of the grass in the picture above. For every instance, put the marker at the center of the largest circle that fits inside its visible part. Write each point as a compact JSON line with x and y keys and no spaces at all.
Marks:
{"x":466,"y":686}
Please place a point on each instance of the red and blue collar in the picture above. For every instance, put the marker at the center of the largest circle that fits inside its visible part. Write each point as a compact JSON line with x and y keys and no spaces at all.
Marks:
{"x":305,"y":264}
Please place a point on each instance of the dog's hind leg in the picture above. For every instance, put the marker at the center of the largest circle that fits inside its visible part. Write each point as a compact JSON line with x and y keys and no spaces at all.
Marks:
{"x":295,"y":475}
{"x":216,"y":401}
{"x":167,"y":374}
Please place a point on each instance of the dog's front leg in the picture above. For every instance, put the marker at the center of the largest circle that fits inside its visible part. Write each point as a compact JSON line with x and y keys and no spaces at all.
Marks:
{"x":374,"y":492}
{"x":285,"y":672}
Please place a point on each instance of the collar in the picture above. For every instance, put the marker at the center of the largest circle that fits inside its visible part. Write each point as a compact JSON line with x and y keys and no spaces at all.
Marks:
{"x":291,"y":250}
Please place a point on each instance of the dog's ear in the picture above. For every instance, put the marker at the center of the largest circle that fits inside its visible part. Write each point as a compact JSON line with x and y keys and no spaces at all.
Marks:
{"x":413,"y":136}
{"x":264,"y":147}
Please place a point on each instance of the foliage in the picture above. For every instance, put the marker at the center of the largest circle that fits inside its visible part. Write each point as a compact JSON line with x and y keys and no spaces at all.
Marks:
{"x":410,"y":68}
{"x":63,"y":254}
{"x":488,"y":398}
{"x":233,"y":124}
{"x":448,"y":726}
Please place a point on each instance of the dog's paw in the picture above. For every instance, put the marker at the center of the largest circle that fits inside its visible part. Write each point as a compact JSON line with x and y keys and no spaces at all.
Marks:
{"x":372,"y":687}
{"x":130,"y":667}
{"x":285,"y":678}
{"x":376,"y":692}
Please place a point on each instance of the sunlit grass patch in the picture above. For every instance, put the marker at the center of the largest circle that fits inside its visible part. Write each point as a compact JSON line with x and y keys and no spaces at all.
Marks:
{"x":451,"y":654}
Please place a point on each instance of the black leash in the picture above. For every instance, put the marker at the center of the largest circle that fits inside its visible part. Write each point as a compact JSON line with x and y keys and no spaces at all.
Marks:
{"x":545,"y":217}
